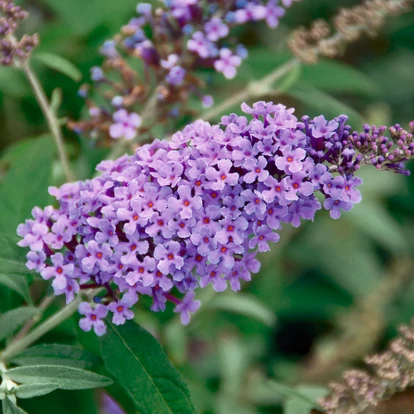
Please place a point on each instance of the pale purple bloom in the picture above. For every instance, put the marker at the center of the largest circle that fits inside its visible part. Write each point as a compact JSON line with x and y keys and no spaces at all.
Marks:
{"x":36,"y":260}
{"x":59,"y":271}
{"x":176,"y":76}
{"x":187,"y":306}
{"x":256,"y":170}
{"x":97,"y":255}
{"x":93,"y":318}
{"x":336,"y":206}
{"x":291,"y":161}
{"x":199,"y":45}
{"x":223,"y":176}
{"x":186,"y":202}
{"x":121,"y":312}
{"x":216,"y":29}
{"x":227,"y":63}
{"x":168,"y":257}
{"x":273,"y":14}
{"x":263,"y":235}
{"x":125,"y":125}
{"x":322,"y":128}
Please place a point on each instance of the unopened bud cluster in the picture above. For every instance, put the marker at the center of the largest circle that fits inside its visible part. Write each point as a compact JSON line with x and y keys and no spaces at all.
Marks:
{"x":13,"y":50}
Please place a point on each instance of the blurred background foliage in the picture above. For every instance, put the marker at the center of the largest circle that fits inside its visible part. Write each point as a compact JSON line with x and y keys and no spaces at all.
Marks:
{"x":328,"y":293}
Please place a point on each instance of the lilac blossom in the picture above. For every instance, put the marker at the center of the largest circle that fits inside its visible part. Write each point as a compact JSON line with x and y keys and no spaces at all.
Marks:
{"x":125,"y":125}
{"x":187,"y":306}
{"x":227,"y":63}
{"x":93,"y":318}
{"x":181,"y":214}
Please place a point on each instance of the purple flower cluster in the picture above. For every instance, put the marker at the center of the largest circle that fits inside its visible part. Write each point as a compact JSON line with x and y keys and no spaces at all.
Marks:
{"x":191,"y":211}
{"x":171,"y":43}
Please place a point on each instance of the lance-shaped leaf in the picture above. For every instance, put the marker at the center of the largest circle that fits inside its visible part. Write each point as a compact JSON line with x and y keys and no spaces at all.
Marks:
{"x":18,"y":283}
{"x":140,"y":366}
{"x":35,"y":390}
{"x":9,"y":407}
{"x":67,"y":378}
{"x":57,"y":354}
{"x":14,"y":319}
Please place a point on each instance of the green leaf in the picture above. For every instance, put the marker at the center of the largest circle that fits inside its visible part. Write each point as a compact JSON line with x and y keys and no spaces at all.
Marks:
{"x":371,"y":218}
{"x":291,"y":392}
{"x":14,"y":319}
{"x":322,"y":103}
{"x":140,"y":366}
{"x":57,"y":354}
{"x":67,"y":378}
{"x":243,"y":304}
{"x":17,"y":283}
{"x":10,"y":408}
{"x":60,"y":64}
{"x":305,"y":400}
{"x":335,"y":76}
{"x":12,"y":257}
{"x":35,"y":390}
{"x":25,"y":184}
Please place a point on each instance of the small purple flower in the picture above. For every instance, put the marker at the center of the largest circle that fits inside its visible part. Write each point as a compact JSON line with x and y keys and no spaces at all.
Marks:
{"x":36,"y":260}
{"x":93,"y":318}
{"x":125,"y":125}
{"x":290,"y":162}
{"x":186,"y":203}
{"x":232,"y":231}
{"x":121,"y":312}
{"x":207,"y":101}
{"x":296,"y":185}
{"x":273,"y":14}
{"x":187,"y":306}
{"x":263,"y":235}
{"x":59,"y":271}
{"x":334,"y":206}
{"x":256,"y":170}
{"x":214,"y":276}
{"x":216,"y":29}
{"x":142,"y":271}
{"x":132,"y":216}
{"x":200,"y":45}
{"x":222,"y":177}
{"x":70,"y":290}
{"x":227,"y":63}
{"x":176,"y":76}
{"x":168,"y":257}
{"x":321,"y":128}
{"x":96,"y":255}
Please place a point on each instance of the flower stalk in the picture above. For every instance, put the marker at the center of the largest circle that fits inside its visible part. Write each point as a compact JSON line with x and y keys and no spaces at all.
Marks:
{"x":51,"y":119}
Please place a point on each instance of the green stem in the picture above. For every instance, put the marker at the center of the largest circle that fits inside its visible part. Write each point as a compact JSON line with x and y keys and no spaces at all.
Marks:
{"x":252,"y":90}
{"x":21,"y":344}
{"x":51,"y":119}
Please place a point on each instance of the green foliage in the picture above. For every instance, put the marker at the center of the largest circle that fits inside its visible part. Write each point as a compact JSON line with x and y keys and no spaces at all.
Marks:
{"x":14,"y":319}
{"x":25,"y":183}
{"x":57,"y":354}
{"x":138,"y":363}
{"x":243,"y":304}
{"x":35,"y":390}
{"x":67,"y":378}
{"x":9,"y":407}
{"x":60,"y":64}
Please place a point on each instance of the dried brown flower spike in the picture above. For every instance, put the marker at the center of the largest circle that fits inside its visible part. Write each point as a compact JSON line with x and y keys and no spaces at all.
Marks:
{"x":13,"y":50}
{"x":392,"y":372}
{"x":348,"y":26}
